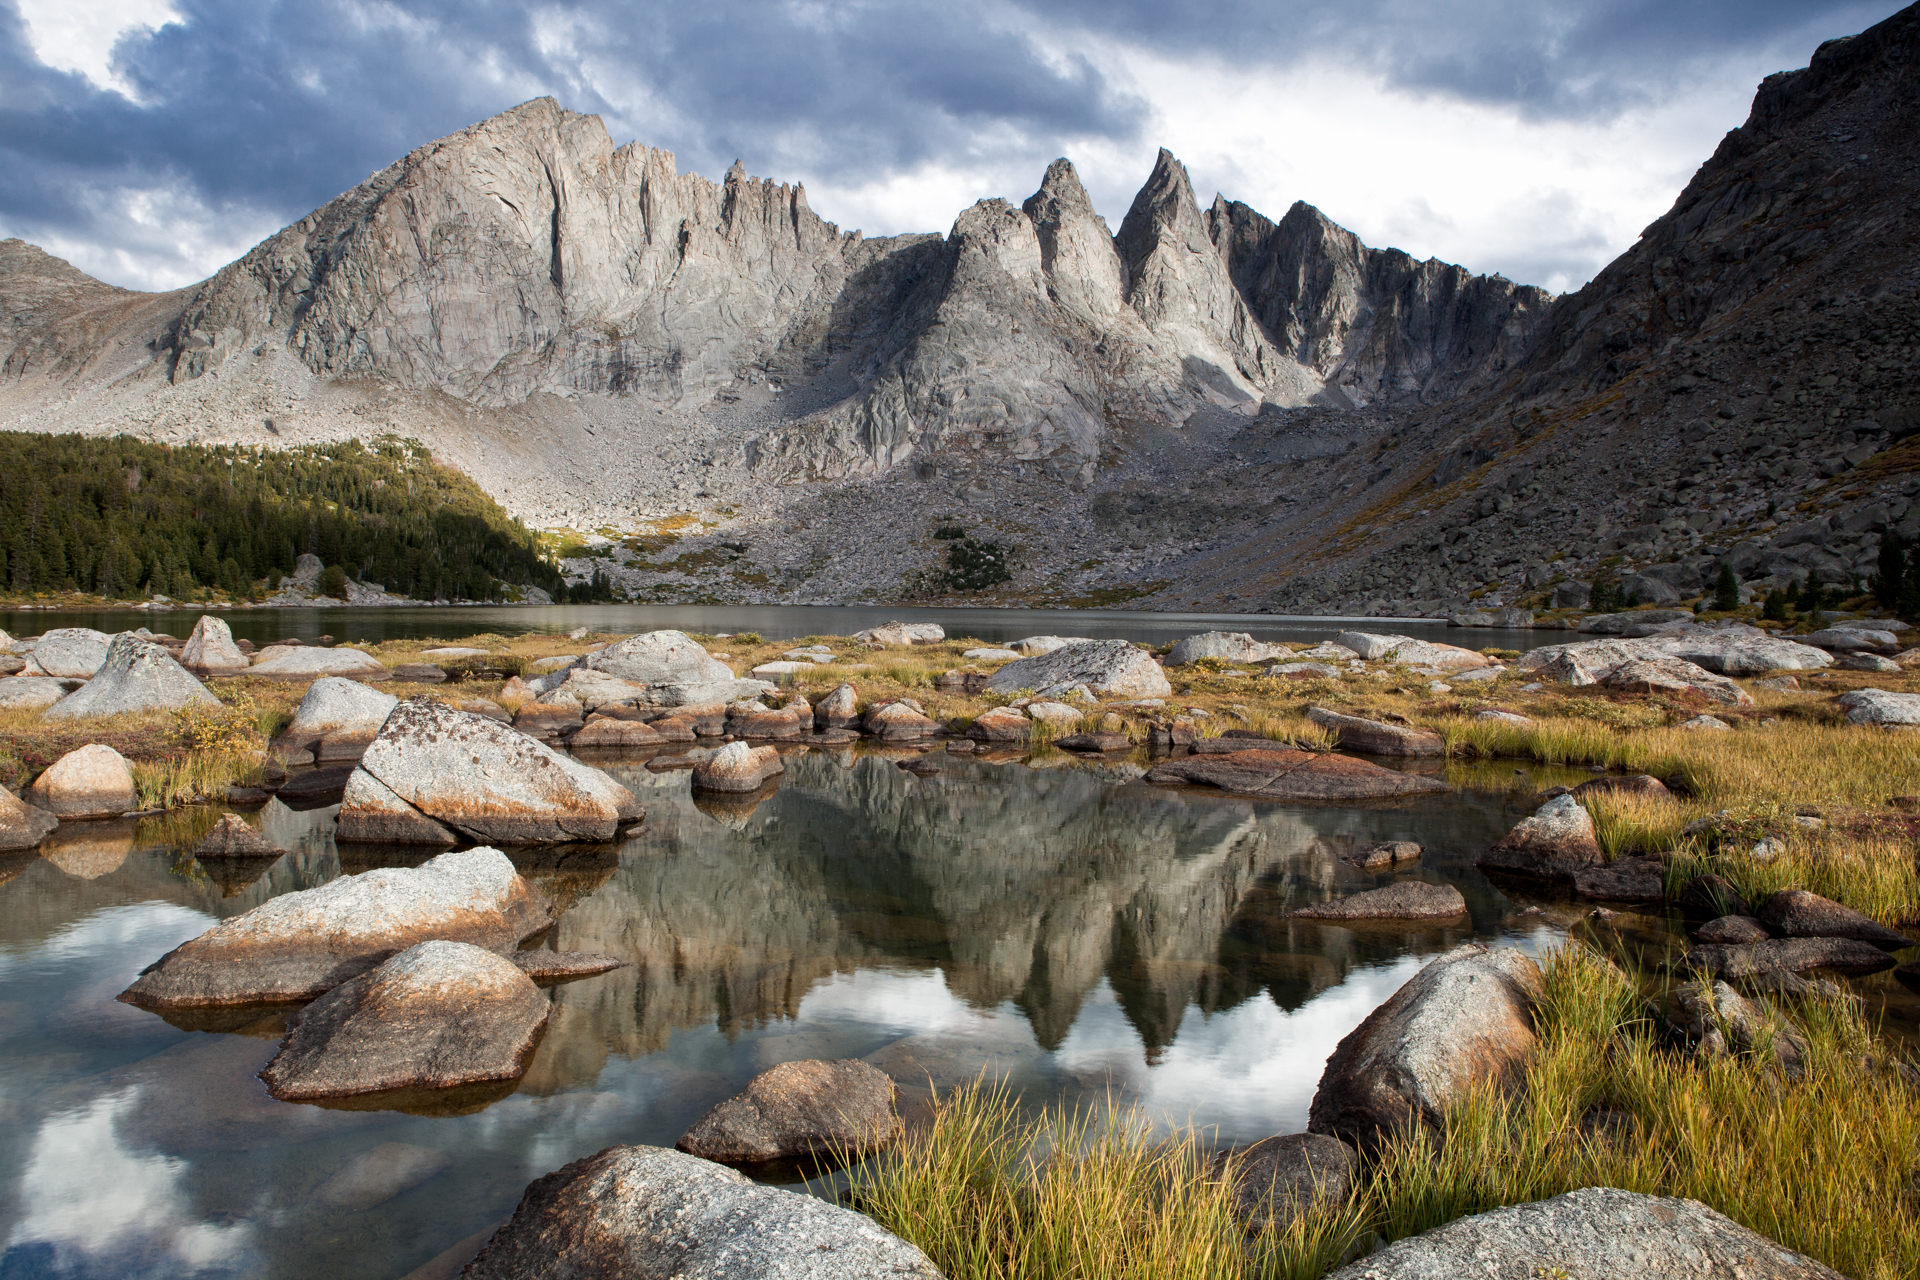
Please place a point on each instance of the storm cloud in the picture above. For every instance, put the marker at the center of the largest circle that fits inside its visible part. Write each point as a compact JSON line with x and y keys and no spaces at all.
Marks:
{"x":150,"y":142}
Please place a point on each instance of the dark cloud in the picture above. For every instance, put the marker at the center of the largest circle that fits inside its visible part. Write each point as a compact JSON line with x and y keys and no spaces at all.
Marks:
{"x":253,"y":113}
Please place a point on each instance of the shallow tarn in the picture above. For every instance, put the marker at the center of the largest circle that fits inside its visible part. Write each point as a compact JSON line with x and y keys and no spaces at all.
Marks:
{"x":1084,"y":936}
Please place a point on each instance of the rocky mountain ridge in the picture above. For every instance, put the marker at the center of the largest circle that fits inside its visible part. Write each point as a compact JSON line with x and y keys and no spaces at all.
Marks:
{"x":1205,"y":408}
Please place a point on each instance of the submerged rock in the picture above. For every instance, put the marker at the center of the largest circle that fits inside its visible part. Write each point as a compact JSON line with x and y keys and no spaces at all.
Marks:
{"x":1556,"y":843}
{"x":437,"y":1015}
{"x":234,"y":837}
{"x":1281,"y":1178}
{"x":737,"y":767}
{"x":1376,"y":738}
{"x":1466,"y":1018}
{"x":1294,"y":775}
{"x":93,"y":782}
{"x":647,"y":1211}
{"x":1109,"y":668}
{"x":136,"y":676}
{"x":800,"y":1109}
{"x":1407,"y":900}
{"x":1598,"y":1233}
{"x":546,"y":967}
{"x":298,"y":945}
{"x":1391,"y":853}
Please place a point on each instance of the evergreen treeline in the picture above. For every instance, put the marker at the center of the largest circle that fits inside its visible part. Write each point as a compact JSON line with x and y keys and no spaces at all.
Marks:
{"x":124,"y":518}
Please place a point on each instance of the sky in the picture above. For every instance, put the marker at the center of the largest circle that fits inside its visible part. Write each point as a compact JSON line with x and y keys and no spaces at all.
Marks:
{"x":150,"y":142}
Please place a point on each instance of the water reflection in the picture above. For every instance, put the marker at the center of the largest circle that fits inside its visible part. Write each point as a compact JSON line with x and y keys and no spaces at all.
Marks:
{"x":1074,"y":934}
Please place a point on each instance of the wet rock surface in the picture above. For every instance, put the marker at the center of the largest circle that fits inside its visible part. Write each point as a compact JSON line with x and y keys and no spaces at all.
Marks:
{"x":645,"y":1211}
{"x":301,"y":944}
{"x":1599,"y":1233}
{"x":438,"y":1015}
{"x":1408,"y":900}
{"x":799,"y":1109}
{"x":1294,"y":775}
{"x":1466,"y":1018}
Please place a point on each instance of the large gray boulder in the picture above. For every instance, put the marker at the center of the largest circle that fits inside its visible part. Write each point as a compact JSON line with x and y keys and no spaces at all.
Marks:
{"x":336,"y":705}
{"x":1110,"y":668}
{"x":800,"y":1109}
{"x":1597,"y":1233}
{"x":136,"y":676}
{"x":370,"y":813}
{"x":1853,"y":640}
{"x":1226,"y":646}
{"x":307,"y":662}
{"x":1466,"y":1018}
{"x":210,"y":650}
{"x":1743,"y":651}
{"x":1556,"y":843}
{"x":93,"y":781}
{"x":670,"y":670}
{"x":1873,"y":706}
{"x":893,"y":633}
{"x":1674,"y":676}
{"x":1411,"y":652}
{"x":650,"y":1212}
{"x":300,"y":944}
{"x":489,"y":781}
{"x":31,"y":693}
{"x":1040,"y":646}
{"x":438,"y":1015}
{"x":67,"y":653}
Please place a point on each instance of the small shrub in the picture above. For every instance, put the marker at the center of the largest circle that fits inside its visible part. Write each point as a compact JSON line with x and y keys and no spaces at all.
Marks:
{"x":233,"y":726}
{"x":973,"y":565}
{"x":333,"y":582}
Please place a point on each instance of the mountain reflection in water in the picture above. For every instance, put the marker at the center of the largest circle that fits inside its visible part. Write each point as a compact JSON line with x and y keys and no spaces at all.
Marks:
{"x":1081,"y":935}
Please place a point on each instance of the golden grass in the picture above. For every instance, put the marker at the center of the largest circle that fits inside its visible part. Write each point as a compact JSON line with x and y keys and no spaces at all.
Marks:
{"x":200,"y":778}
{"x":1823,"y":1164}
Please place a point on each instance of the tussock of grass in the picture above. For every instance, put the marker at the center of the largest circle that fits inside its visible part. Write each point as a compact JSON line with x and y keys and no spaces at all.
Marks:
{"x":199,"y":778}
{"x":1877,"y":875}
{"x":1824,"y":1165}
{"x":992,"y":1194}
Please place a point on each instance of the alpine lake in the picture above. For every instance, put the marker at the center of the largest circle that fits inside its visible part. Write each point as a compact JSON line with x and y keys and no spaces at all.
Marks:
{"x":1036,"y":917}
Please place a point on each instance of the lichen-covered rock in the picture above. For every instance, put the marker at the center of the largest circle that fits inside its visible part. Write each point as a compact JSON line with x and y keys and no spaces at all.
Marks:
{"x":1464,"y":1019}
{"x":1294,"y":775}
{"x":1039,"y":646}
{"x":1880,"y":706}
{"x":94,"y":781}
{"x":669,"y":670}
{"x":647,"y":1211}
{"x":300,"y":944}
{"x":1377,"y":738}
{"x":1598,"y":1233}
{"x":370,"y":813}
{"x":210,"y":650}
{"x":1407,"y":900}
{"x":1674,"y":676}
{"x":491,"y":782}
{"x":737,"y":767}
{"x":1226,"y":646}
{"x":1556,"y":843}
{"x":336,"y":705}
{"x":308,"y":662}
{"x":135,"y":676}
{"x":800,"y":1109}
{"x":68,"y":653}
{"x":31,"y":693}
{"x":437,"y":1015}
{"x":1110,"y":668}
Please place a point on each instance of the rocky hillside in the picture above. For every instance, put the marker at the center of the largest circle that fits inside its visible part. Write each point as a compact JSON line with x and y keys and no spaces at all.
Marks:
{"x":1205,"y":408}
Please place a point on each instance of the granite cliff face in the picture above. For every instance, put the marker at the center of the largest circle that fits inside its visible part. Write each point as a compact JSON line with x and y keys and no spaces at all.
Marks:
{"x":1204,"y":409}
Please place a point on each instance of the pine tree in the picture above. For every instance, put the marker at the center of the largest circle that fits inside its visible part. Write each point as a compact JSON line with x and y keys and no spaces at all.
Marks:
{"x":1726,"y":590}
{"x":1893,"y":569}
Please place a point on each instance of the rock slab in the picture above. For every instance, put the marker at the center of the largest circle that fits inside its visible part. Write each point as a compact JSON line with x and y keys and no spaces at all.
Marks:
{"x":648,"y":1212}
{"x":1408,"y":900}
{"x":1294,"y":775}
{"x":1377,"y":738}
{"x":438,"y":1015}
{"x":298,"y":945}
{"x":1597,"y":1233}
{"x":800,"y":1109}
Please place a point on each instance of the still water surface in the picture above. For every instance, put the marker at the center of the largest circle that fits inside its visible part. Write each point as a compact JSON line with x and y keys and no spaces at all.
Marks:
{"x":1074,"y":931}
{"x":776,"y":622}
